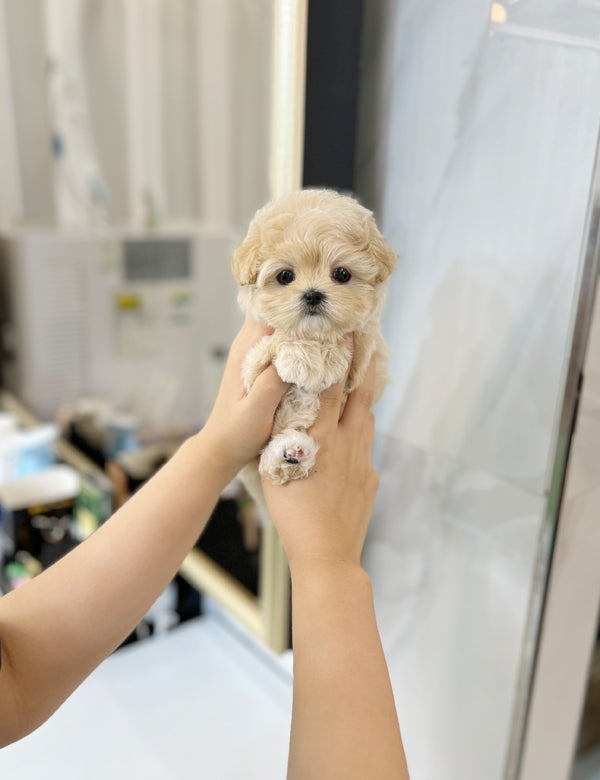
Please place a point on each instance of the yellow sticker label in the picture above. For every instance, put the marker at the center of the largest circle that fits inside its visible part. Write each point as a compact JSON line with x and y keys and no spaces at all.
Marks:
{"x":128,"y":301}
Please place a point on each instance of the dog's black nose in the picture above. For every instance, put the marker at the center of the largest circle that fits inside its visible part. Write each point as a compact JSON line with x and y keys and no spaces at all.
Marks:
{"x":313,"y":297}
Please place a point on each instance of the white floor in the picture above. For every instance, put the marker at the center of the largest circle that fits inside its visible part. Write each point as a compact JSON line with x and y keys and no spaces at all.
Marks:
{"x":199,"y":702}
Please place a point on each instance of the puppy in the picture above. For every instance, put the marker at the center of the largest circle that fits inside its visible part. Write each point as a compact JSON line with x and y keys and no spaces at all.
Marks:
{"x":313,"y":267}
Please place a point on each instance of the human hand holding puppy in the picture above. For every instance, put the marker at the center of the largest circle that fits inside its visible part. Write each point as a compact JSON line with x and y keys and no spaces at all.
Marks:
{"x":322,"y":520}
{"x":344,"y":721}
{"x":59,"y":626}
{"x":313,"y":268}
{"x":241,"y":420}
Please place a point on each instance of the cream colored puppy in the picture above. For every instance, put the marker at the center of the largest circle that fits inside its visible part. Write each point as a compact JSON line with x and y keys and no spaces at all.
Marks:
{"x":313,"y":267}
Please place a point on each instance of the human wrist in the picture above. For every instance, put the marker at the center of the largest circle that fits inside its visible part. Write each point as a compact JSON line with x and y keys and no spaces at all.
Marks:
{"x":212,"y":453}
{"x":318,"y":573}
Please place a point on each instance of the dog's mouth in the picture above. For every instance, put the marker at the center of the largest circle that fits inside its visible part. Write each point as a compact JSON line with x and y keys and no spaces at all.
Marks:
{"x":315,"y":313}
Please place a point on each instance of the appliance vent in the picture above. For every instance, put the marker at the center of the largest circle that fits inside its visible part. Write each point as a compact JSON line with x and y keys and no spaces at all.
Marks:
{"x":62,"y":333}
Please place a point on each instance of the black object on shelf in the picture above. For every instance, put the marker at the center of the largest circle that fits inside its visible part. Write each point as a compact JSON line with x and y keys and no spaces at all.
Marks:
{"x":223,"y":541}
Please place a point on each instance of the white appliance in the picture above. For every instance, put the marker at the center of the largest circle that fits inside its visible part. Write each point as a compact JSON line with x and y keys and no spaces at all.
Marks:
{"x":143,"y":319}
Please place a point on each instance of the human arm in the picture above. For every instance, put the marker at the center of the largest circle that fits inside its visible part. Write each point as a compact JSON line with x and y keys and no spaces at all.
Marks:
{"x":58,"y":627}
{"x":344,"y":722}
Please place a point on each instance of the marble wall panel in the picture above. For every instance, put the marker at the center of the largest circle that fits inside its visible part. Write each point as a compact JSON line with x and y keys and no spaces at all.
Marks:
{"x":482,"y":170}
{"x":451,"y":553}
{"x":477,"y":134}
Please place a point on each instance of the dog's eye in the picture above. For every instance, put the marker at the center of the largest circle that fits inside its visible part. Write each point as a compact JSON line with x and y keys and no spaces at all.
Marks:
{"x":341,"y":275}
{"x":285,"y":277}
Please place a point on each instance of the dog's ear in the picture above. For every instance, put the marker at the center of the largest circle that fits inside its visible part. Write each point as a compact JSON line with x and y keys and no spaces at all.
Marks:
{"x":379,"y":249}
{"x":245,"y":261}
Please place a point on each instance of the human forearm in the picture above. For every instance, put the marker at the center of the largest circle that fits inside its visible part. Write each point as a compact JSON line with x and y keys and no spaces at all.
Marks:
{"x":344,"y":722}
{"x":56,"y":629}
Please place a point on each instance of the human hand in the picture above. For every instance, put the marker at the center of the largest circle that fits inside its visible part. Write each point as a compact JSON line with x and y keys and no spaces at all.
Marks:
{"x":240,"y":423}
{"x":323,"y":518}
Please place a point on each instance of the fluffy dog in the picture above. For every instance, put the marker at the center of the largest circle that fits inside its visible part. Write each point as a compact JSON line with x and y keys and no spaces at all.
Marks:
{"x":313,"y":267}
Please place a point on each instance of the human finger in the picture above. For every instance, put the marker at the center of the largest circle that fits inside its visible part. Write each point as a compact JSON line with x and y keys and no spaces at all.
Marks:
{"x":249,"y":334}
{"x":369,"y":431}
{"x":360,"y":400}
{"x":266,"y":392}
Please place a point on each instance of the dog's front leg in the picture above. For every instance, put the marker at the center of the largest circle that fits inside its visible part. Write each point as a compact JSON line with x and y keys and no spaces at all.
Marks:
{"x":257,"y":359}
{"x":311,"y":365}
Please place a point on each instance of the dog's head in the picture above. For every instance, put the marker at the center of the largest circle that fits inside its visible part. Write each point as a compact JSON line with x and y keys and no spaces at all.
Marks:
{"x":313,"y":262}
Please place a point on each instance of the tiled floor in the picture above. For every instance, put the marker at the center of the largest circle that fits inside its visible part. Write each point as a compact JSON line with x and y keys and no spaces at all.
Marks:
{"x":199,"y":702}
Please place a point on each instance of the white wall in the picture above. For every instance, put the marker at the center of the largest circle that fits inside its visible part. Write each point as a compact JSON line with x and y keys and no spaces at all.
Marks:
{"x":478,"y":127}
{"x":25,"y":39}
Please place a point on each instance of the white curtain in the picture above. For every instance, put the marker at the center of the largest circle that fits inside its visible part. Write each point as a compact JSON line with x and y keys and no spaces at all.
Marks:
{"x":163,"y":107}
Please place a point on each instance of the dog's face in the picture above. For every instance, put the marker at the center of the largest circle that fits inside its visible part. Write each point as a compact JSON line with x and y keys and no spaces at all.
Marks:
{"x":313,"y":263}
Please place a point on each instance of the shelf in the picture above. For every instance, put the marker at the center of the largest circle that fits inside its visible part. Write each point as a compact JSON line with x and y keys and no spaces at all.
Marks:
{"x":208,"y":577}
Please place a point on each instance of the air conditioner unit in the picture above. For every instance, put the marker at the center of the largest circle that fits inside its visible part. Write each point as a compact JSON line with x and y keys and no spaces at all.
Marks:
{"x":143,"y":319}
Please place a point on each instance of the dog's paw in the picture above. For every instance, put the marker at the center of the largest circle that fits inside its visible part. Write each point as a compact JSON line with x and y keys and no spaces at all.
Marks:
{"x":289,"y":455}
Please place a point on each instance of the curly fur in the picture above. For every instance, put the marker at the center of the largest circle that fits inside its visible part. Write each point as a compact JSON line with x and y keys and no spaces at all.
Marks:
{"x":310,"y":233}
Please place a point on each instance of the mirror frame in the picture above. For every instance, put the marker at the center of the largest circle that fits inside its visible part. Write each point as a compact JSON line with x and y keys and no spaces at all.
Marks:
{"x":539,"y":673}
